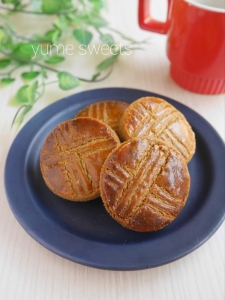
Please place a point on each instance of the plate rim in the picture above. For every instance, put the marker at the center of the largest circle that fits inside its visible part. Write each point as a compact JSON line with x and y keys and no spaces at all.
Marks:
{"x":50,"y":109}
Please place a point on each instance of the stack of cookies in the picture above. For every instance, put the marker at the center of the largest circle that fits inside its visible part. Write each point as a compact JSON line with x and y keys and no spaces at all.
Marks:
{"x":133,"y":156}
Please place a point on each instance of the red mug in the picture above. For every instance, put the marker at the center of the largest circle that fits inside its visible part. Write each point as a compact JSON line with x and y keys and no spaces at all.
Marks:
{"x":195,"y":44}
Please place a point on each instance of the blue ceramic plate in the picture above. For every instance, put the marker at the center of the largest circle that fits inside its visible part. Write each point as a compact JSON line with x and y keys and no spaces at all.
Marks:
{"x":84,"y":232}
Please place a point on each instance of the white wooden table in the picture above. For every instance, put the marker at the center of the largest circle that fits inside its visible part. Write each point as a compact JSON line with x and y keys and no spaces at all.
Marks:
{"x":29,"y":271}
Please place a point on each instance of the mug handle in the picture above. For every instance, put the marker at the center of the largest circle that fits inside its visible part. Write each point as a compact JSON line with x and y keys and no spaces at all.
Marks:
{"x":148,"y":23}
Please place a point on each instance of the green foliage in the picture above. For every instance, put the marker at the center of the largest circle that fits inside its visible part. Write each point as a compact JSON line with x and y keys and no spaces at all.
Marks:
{"x":51,"y":36}
{"x":82,"y":36}
{"x":107,"y":62}
{"x":5,"y":40}
{"x":55,"y":59}
{"x":31,"y":91}
{"x":54,"y":6}
{"x":96,"y":20}
{"x":4,"y":63}
{"x":80,"y":19}
{"x":67,"y":81}
{"x":15,"y":2}
{"x":26,"y":50}
{"x":7,"y":81}
{"x":61,"y":22}
{"x":107,"y":39}
{"x":28,"y":76}
{"x":24,"y":109}
{"x":8,"y":1}
{"x":20,"y":97}
{"x":97,"y":4}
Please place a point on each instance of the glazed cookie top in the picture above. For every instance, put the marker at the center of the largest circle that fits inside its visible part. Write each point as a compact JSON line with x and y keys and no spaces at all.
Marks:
{"x":110,"y":112}
{"x":154,"y":117}
{"x":144,"y":184}
{"x":72,"y":156}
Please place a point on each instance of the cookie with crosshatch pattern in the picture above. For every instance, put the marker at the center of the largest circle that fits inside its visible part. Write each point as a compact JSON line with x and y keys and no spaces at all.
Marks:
{"x":144,"y":184}
{"x":108,"y":111}
{"x":155,"y":117}
{"x":72,"y":156}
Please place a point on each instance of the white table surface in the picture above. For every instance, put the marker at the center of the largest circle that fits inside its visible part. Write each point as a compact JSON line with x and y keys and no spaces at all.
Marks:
{"x":29,"y":271}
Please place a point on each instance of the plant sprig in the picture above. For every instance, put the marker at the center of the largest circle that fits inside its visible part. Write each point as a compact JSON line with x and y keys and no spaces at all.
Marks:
{"x":80,"y":19}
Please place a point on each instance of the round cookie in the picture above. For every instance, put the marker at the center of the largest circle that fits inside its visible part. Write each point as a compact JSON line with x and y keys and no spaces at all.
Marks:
{"x":110,"y":112}
{"x":72,"y":156}
{"x":154,"y":117}
{"x":144,"y":184}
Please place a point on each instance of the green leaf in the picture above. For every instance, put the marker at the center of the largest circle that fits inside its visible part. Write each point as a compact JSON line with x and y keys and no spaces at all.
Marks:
{"x":4,"y":63}
{"x":18,"y":120}
{"x":67,"y":81}
{"x":53,"y":6}
{"x":107,"y":62}
{"x":98,"y":4}
{"x":97,"y":21}
{"x":50,"y":6}
{"x":43,"y":73}
{"x":61,"y":22}
{"x":82,"y":36}
{"x":16,"y":2}
{"x":2,"y":35}
{"x":107,"y":39}
{"x":30,"y":75}
{"x":20,"y":97}
{"x":53,"y":35}
{"x":41,"y":38}
{"x":31,"y":91}
{"x":5,"y":40}
{"x":54,"y":59}
{"x":7,"y":81}
{"x":21,"y":6}
{"x":27,"y":50}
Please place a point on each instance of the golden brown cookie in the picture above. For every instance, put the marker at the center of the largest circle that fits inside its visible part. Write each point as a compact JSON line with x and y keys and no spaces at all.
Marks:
{"x":144,"y":184}
{"x":72,"y":157}
{"x":154,"y":117}
{"x":110,"y":112}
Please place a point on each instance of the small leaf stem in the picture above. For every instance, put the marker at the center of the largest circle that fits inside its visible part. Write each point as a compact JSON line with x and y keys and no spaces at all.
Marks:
{"x":10,"y":71}
{"x":13,"y":34}
{"x":14,"y":119}
{"x":20,"y":59}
